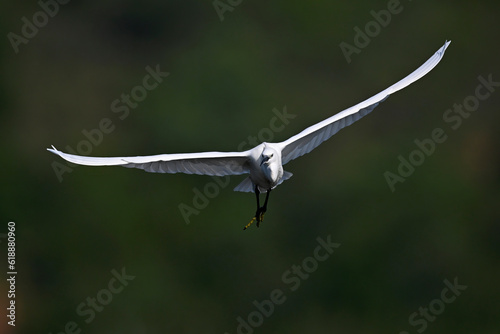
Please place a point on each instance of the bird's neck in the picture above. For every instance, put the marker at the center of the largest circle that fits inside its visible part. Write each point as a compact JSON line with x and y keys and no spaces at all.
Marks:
{"x":273,"y":172}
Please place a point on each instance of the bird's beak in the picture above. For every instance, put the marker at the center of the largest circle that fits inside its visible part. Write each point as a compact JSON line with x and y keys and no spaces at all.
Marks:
{"x":264,"y":160}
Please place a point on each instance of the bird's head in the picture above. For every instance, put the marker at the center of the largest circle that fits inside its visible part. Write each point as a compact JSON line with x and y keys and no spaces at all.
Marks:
{"x":268,"y":156}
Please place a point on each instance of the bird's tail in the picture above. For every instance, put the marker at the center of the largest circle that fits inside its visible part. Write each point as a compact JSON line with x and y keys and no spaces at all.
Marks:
{"x":247,"y":185}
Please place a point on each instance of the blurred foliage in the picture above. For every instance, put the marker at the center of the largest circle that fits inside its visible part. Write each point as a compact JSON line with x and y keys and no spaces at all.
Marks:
{"x":225,"y":78}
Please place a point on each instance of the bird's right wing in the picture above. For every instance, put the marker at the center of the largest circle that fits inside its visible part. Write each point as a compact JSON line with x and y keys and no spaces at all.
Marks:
{"x":313,"y":136}
{"x":207,"y":163}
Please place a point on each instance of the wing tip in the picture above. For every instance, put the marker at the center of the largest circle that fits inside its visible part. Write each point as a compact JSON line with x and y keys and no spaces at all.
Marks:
{"x":444,"y":47}
{"x":53,"y":150}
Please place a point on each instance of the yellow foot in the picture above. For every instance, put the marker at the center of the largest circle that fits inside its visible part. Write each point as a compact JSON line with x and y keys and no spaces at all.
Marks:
{"x":248,"y":225}
{"x":261,"y":219}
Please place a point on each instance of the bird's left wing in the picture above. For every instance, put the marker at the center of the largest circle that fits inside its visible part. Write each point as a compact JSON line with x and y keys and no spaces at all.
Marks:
{"x":313,"y":136}
{"x":206,"y":163}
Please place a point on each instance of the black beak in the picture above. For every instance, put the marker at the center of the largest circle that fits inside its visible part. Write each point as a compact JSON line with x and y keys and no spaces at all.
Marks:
{"x":264,"y":160}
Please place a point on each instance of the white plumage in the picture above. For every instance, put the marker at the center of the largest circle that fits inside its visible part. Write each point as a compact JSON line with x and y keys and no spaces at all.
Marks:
{"x":264,"y":162}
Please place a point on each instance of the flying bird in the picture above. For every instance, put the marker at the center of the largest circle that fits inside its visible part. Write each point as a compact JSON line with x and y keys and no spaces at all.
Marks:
{"x":265,"y":161}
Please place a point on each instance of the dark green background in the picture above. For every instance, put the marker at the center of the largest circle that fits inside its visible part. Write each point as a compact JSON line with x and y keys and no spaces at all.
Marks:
{"x":225,"y":79}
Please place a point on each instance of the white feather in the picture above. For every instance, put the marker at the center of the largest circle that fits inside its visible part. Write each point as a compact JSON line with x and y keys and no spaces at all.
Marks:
{"x":310,"y":138}
{"x":265,"y":167}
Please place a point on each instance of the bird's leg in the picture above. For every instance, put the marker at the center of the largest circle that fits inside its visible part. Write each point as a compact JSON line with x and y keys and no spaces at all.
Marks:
{"x":263,"y":209}
{"x":257,"y":192}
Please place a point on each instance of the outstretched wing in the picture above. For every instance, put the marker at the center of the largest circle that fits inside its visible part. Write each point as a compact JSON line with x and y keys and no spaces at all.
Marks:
{"x":313,"y":136}
{"x":207,"y":163}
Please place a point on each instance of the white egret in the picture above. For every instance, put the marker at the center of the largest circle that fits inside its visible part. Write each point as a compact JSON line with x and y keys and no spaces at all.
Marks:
{"x":264,"y":162}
